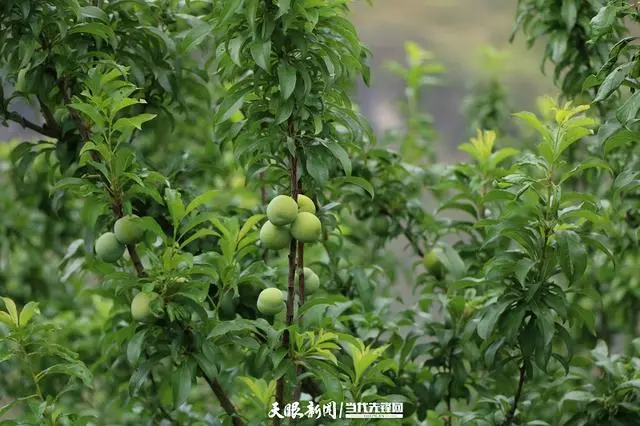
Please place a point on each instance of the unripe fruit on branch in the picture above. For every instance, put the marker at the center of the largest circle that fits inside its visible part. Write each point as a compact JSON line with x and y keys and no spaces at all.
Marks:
{"x":282,"y":210}
{"x":311,"y":281}
{"x":128,"y":230}
{"x":381,"y":225}
{"x":432,"y":263}
{"x":274,"y":237}
{"x":108,"y":248}
{"x":305,"y":204}
{"x":270,"y":301}
{"x":306,"y":228}
{"x":140,"y":310}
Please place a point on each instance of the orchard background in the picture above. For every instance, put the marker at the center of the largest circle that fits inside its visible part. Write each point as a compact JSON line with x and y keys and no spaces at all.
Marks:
{"x":154,"y":271}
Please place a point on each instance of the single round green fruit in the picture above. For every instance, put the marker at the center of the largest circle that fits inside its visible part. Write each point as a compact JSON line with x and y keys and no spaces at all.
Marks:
{"x":282,"y":210}
{"x":140,"y":310}
{"x":108,"y":248}
{"x":274,"y":237}
{"x":432,"y":263}
{"x":306,"y":228}
{"x":311,"y":281}
{"x":127,"y":230}
{"x":305,"y":204}
{"x":270,"y":301}
{"x":380,"y":225}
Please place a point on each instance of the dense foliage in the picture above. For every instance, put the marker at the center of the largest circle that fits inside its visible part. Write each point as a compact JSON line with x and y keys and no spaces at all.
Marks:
{"x":160,"y":263}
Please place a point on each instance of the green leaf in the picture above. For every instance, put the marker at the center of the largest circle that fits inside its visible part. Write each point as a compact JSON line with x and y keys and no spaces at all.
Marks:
{"x":569,"y":13}
{"x":489,"y":319}
{"x":580,"y":396}
{"x":200,"y":233}
{"x":91,"y":112}
{"x":93,"y":12}
{"x":28,"y":311}
{"x":136,"y":122}
{"x":317,"y":168}
{"x":358,"y":181}
{"x":604,"y":20}
{"x":287,"y":79}
{"x":201,"y":199}
{"x":572,"y":255}
{"x":233,"y":326}
{"x":175,"y":205}
{"x":75,"y":369}
{"x":452,"y":261}
{"x":11,"y":309}
{"x":261,"y":53}
{"x":97,"y":29}
{"x":613,"y":81}
{"x":341,"y":155}
{"x":620,"y":139}
{"x":533,"y":121}
{"x":629,"y":109}
{"x":6,"y":318}
{"x":134,"y":347}
{"x":194,"y":37}
{"x":248,"y":225}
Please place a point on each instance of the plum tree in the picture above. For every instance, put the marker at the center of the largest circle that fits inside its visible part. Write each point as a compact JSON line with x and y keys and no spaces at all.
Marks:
{"x":274,"y":237}
{"x":140,"y":310}
{"x":306,"y":228}
{"x":270,"y":301}
{"x":127,"y":230}
{"x":311,"y":281}
{"x":108,"y":248}
{"x":282,"y":210}
{"x":305,"y":204}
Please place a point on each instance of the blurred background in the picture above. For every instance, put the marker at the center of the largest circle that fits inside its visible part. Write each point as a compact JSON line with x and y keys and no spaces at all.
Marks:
{"x":455,"y":31}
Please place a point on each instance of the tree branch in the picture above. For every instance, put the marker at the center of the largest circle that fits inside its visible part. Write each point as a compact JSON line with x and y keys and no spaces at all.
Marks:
{"x":291,"y":291}
{"x":15,"y":117}
{"x":516,"y":399}
{"x":225,"y":402}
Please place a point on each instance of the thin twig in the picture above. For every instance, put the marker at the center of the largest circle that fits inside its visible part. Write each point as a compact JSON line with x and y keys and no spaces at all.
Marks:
{"x":516,"y":399}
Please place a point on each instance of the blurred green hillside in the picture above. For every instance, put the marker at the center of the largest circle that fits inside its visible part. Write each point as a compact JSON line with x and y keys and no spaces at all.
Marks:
{"x":455,"y":31}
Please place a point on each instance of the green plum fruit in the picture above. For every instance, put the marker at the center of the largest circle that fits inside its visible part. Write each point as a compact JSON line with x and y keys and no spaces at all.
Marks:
{"x":140,"y":310}
{"x":433,"y":264}
{"x":128,"y":230}
{"x":381,"y":225}
{"x":305,"y":204}
{"x":274,"y":237}
{"x":311,"y":281}
{"x":282,"y":210}
{"x":108,"y":248}
{"x":270,"y":301}
{"x":306,"y":228}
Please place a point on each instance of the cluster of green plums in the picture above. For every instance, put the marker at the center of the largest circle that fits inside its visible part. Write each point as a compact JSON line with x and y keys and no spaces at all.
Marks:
{"x":110,"y":246}
{"x":289,"y":219}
